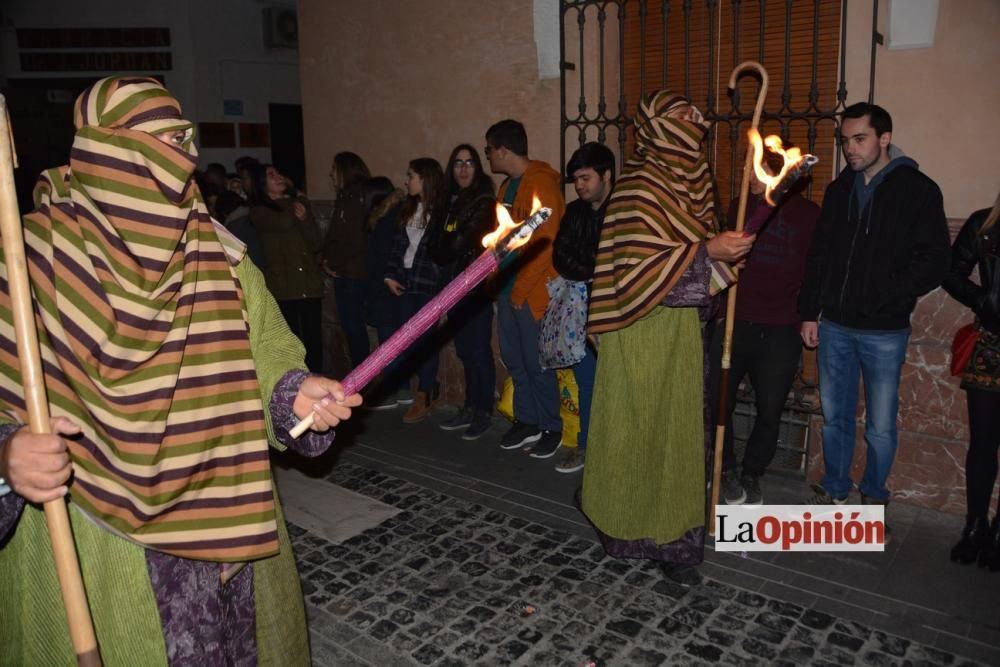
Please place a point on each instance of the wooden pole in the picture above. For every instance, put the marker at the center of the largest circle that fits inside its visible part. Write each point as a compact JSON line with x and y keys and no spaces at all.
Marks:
{"x":81,"y":628}
{"x":727,"y":345}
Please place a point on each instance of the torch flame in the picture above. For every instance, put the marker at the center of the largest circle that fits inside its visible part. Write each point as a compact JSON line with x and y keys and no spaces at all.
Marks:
{"x":791,"y":158}
{"x":506,"y":226}
{"x":535,"y":204}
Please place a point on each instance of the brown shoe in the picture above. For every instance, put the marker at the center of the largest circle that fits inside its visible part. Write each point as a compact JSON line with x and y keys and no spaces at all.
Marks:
{"x":418,"y":411}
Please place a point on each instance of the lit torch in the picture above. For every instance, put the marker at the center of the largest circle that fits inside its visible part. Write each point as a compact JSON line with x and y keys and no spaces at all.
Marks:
{"x":795,"y":166}
{"x":508,"y":236}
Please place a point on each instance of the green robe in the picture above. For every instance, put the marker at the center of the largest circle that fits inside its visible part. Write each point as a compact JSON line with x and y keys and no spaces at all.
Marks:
{"x":645,"y":473}
{"x":33,"y":628}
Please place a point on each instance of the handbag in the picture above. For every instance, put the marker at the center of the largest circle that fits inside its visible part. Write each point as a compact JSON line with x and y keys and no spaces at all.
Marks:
{"x":562,"y":333}
{"x":962,"y":346}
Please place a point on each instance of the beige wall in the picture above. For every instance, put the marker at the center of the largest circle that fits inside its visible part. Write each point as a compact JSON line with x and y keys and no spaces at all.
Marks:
{"x":944,"y":100}
{"x":395,"y":80}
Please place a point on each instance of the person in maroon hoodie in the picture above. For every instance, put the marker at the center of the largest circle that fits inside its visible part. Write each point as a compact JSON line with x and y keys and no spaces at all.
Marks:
{"x":766,"y":342}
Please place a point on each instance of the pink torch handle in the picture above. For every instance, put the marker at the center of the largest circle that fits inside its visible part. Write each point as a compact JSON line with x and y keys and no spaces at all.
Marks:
{"x":425,"y":318}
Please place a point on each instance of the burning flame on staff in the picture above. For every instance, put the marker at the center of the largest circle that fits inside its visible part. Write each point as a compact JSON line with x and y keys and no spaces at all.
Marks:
{"x":791,"y":159}
{"x":506,"y":226}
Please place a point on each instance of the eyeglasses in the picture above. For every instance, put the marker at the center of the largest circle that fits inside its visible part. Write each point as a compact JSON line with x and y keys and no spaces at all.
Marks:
{"x":458,"y":164}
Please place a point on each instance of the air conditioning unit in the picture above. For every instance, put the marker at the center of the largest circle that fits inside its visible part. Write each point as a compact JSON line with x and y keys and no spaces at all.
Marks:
{"x":281,"y":28}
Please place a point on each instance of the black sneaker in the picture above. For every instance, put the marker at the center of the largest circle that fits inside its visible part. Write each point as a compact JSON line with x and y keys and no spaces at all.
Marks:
{"x":732,"y":489}
{"x":404,"y":396}
{"x":519,"y":435}
{"x":547,"y":445}
{"x":479,"y":425}
{"x":387,"y":403}
{"x":751,"y":485}
{"x":821,"y":497}
{"x":461,"y":419}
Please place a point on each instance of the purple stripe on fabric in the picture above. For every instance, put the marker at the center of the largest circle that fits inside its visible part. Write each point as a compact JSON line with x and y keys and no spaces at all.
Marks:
{"x":156,"y":113}
{"x":111,"y":240}
{"x":156,"y":437}
{"x":171,"y":475}
{"x":106,"y":161}
{"x":206,"y":545}
{"x":106,"y":359}
{"x":207,"y":503}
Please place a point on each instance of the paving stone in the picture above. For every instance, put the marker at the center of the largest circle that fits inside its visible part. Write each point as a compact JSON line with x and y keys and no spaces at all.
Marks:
{"x":772,"y":620}
{"x":675,"y":628}
{"x":816,"y":619}
{"x":427,"y":654}
{"x":878,"y":659}
{"x":383,"y":630}
{"x":469,"y":651}
{"x":727,"y":622}
{"x":511,"y":650}
{"x":625,"y":626}
{"x":846,"y":641}
{"x":797,"y":653}
{"x":890,"y":644}
{"x":604,"y":648}
{"x":702,"y":650}
{"x":644,"y":657}
{"x":758,"y":649}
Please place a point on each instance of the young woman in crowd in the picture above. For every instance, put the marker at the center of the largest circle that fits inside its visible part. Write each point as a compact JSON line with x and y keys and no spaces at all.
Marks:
{"x":287,"y":230}
{"x":383,"y":203}
{"x":455,"y":241}
{"x":977,"y":244}
{"x":345,"y":249}
{"x":413,"y":277}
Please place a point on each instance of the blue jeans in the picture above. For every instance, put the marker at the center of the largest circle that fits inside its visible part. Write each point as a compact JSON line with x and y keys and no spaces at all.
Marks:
{"x":536,"y":390}
{"x":472,"y":322}
{"x":584,"y":372}
{"x":350,"y":295}
{"x":422,"y":357}
{"x":878,"y":357}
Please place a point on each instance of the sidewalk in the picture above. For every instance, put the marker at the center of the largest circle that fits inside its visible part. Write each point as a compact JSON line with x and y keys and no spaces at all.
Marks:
{"x":490,"y":564}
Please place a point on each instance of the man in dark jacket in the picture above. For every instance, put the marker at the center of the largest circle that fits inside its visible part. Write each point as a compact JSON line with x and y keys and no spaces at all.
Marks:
{"x":592,"y":168}
{"x":882,"y":242}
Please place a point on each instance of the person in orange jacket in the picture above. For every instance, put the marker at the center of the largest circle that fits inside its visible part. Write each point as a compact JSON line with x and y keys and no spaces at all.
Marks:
{"x":524,"y":296}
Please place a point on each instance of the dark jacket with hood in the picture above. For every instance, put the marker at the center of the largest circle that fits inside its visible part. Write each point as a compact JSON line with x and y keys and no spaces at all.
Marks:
{"x":877,"y":248}
{"x":456,"y":240}
{"x":972,"y":248}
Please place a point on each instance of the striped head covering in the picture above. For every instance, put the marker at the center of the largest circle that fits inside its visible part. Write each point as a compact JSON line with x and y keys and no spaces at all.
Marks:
{"x":662,"y":207}
{"x":144,"y":336}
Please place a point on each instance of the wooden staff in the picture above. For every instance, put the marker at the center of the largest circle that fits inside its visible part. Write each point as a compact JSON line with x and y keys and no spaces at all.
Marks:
{"x":81,"y":628}
{"x":727,"y":345}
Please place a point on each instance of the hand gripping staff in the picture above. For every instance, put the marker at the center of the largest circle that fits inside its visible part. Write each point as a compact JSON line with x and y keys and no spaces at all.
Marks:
{"x":81,"y":627}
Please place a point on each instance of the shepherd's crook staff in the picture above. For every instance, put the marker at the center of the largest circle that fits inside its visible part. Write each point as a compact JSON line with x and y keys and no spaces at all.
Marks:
{"x":727,"y":345}
{"x":81,"y":629}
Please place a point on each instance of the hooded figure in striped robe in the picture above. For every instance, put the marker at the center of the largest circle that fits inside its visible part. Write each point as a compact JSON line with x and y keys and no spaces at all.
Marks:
{"x":644,"y":481}
{"x":169,"y":373}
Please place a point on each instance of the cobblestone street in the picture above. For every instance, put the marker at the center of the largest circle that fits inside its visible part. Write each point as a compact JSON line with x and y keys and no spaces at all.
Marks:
{"x":451,"y":582}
